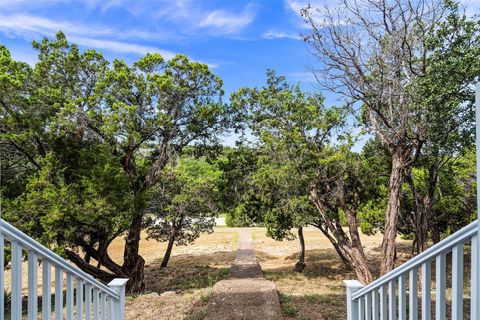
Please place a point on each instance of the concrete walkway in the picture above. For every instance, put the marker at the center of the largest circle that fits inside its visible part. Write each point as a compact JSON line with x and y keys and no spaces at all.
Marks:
{"x":246,"y":294}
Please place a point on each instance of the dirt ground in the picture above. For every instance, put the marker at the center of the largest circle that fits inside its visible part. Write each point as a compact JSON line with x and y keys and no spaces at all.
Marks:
{"x":318,"y":292}
{"x":183,"y":289}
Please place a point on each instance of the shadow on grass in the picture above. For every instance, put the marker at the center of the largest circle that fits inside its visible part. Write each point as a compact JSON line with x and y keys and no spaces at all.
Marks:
{"x":313,"y":306}
{"x":185,"y":272}
{"x":321,"y":263}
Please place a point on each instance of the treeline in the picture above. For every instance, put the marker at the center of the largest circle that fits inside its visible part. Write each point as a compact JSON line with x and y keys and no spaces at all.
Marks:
{"x":94,"y":150}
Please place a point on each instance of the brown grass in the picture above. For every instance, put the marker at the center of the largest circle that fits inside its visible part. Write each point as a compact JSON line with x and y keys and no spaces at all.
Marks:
{"x":318,"y":292}
{"x":182,"y":290}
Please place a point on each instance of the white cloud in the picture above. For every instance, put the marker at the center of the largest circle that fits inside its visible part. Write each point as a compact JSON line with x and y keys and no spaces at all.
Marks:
{"x":27,"y":23}
{"x":273,"y":34}
{"x":205,"y":21}
{"x":227,"y":22}
{"x":296,"y":5}
{"x":119,"y":46}
{"x":305,"y":77}
{"x":88,"y":35}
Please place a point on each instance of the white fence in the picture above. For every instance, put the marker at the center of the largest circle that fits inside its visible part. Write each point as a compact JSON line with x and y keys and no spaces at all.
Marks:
{"x":386,"y":298}
{"x":85,"y":297}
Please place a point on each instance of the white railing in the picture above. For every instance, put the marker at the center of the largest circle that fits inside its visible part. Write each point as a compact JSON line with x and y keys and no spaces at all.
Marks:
{"x":386,"y":298}
{"x":85,"y":297}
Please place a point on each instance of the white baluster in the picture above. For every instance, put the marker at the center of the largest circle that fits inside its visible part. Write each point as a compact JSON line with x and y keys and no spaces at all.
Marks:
{"x":79,"y":296}
{"x":95,"y":304}
{"x":361,"y":308}
{"x":58,"y":293}
{"x":457,"y":282}
{"x":474,"y":276}
{"x":103,"y":300}
{"x":46,"y":290}
{"x":70,"y":308}
{"x":111,"y":308}
{"x":413,"y":296}
{"x":368,"y":307}
{"x":88,"y":302}
{"x":16,"y":281}
{"x":32,"y":286}
{"x":402,"y":297}
{"x":383,"y":303}
{"x":440,"y":287}
{"x":375,"y":304}
{"x":426,"y":285}
{"x":392,"y":299}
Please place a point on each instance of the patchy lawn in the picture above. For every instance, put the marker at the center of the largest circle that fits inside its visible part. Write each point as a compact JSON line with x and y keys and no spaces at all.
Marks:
{"x":182,"y":290}
{"x":318,"y":292}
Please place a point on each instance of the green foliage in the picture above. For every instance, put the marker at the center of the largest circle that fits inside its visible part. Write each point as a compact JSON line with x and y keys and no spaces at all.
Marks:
{"x":238,"y":199}
{"x":293,"y":128}
{"x":93,"y":139}
{"x":184,"y":201}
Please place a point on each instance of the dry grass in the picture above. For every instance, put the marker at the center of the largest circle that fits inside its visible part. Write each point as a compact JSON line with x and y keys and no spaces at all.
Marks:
{"x":182,"y":290}
{"x":318,"y":292}
{"x":191,"y":273}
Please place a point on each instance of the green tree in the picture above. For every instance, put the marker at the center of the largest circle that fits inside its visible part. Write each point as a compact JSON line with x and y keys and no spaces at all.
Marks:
{"x":76,"y":120}
{"x":297,"y":162}
{"x":446,"y":94}
{"x":381,"y":59}
{"x":184,"y":203}
{"x":239,"y":200}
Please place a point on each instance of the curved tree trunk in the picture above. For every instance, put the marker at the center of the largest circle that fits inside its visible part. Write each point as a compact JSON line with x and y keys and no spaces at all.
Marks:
{"x":392,"y":212}
{"x":168,"y":252}
{"x":340,"y":250}
{"x":133,"y":263}
{"x":358,"y":255}
{"x":300,"y":265}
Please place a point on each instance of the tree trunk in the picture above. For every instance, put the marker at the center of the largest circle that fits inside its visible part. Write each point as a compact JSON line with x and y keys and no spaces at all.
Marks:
{"x":415,"y":217}
{"x":168,"y":252}
{"x":428,"y":203}
{"x":392,"y":212}
{"x":133,"y":263}
{"x":300,"y":265}
{"x":424,"y":212}
{"x":340,"y":251}
{"x":349,"y":249}
{"x":358,"y":255}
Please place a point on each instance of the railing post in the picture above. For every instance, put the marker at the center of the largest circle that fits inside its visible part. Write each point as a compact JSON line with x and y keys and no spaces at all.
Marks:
{"x":475,"y":285}
{"x":352,"y":306}
{"x":117,"y":311}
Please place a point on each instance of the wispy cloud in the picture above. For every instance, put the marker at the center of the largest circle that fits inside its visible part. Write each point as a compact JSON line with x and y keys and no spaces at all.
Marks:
{"x":99,"y":37}
{"x":29,"y":23}
{"x":305,"y":77}
{"x":227,"y":22}
{"x":202,"y":20}
{"x":274,"y":34}
{"x":119,"y":46}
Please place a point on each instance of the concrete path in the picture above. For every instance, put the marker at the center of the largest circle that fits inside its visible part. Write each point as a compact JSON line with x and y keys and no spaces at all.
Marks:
{"x":245,"y":294}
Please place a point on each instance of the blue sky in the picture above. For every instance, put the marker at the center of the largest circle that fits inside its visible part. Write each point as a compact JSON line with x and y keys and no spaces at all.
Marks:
{"x":239,"y":40}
